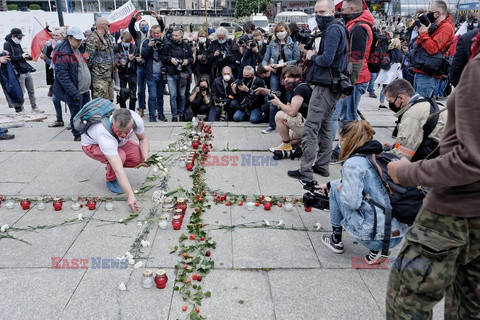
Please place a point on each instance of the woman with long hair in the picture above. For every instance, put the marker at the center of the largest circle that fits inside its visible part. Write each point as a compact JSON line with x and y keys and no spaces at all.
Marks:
{"x":394,"y":71}
{"x":349,"y":206}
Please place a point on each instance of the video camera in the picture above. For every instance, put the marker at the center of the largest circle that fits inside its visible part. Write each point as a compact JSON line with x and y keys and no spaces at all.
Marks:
{"x":307,"y":38}
{"x":272,"y":95}
{"x":157,"y":44}
{"x":313,"y":198}
{"x":179,"y":65}
{"x":292,"y":154}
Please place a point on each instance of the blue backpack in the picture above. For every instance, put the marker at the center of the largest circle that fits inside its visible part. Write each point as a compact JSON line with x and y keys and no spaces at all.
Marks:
{"x":95,"y":111}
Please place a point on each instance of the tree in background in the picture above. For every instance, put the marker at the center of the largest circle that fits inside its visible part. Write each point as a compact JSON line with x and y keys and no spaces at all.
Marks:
{"x":247,"y":7}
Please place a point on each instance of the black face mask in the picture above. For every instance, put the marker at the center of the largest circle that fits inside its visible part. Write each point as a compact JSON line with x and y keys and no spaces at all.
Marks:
{"x":323,"y":21}
{"x":431,"y":17}
{"x":350,"y":16}
{"x":247,"y":81}
{"x":393,"y":107}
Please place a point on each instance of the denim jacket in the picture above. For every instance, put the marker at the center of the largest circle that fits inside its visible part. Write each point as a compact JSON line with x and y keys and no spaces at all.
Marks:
{"x":359,"y":176}
{"x":290,"y":49}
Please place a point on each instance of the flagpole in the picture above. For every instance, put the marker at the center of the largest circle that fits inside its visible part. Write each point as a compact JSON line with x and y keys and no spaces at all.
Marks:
{"x":83,"y":10}
{"x":50,"y":5}
{"x":146,"y":5}
{"x":114,"y":4}
{"x":206,"y":17}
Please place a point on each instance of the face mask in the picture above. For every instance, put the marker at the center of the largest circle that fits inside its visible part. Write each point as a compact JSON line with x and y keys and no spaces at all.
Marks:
{"x":350,"y":16}
{"x":281,"y":35}
{"x":260,"y":43}
{"x":431,"y":17}
{"x":58,"y":42}
{"x":177,"y":41}
{"x":393,"y":107}
{"x":202,"y":40}
{"x":144,"y":29}
{"x":291,"y":85}
{"x":247,"y":81}
{"x":125,"y":44}
{"x":323,"y":21}
{"x":226,"y":77}
{"x":222,"y":41}
{"x":250,"y":35}
{"x":17,"y":41}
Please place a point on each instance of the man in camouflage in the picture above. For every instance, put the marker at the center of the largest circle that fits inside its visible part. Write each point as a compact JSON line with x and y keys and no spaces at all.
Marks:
{"x":100,"y":51}
{"x":446,"y":232}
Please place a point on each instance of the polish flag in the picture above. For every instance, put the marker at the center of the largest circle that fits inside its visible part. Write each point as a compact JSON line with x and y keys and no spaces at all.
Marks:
{"x":338,"y":4}
{"x":38,"y":37}
{"x":461,"y":31}
{"x":120,"y":18}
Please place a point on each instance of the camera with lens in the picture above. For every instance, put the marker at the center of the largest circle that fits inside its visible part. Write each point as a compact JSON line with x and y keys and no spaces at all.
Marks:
{"x":423,"y":18}
{"x":252,"y":44}
{"x":204,"y":59}
{"x":272,"y":95}
{"x":157,"y":44}
{"x":179,"y":65}
{"x":222,"y":55}
{"x":292,"y":154}
{"x":241,"y":42}
{"x":342,"y":84}
{"x":313,"y":198}
{"x":307,"y":38}
{"x":202,"y":88}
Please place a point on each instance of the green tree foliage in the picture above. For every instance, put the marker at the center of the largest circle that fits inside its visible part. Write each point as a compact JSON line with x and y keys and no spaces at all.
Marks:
{"x":247,"y":7}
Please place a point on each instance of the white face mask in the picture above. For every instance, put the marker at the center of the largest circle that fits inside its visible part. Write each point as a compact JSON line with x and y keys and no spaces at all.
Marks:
{"x":281,"y":35}
{"x":226,"y":77}
{"x":202,"y":40}
{"x":17,"y":41}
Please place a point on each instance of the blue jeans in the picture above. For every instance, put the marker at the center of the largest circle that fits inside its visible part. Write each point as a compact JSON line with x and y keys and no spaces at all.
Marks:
{"x":2,"y":132}
{"x":58,"y":108}
{"x":176,"y":91}
{"x":371,"y":84}
{"x":141,"y":83}
{"x":382,"y":94}
{"x":255,"y":116}
{"x":440,"y":88}
{"x":346,"y":108}
{"x":75,"y":107}
{"x":275,"y":86}
{"x":425,"y":85}
{"x":336,"y":218}
{"x":156,"y":88}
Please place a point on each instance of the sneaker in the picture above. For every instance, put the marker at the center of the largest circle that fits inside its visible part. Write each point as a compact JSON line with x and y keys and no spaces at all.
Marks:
{"x":69,"y":127}
{"x":282,"y":147}
{"x":21,"y":113}
{"x":153,"y":119}
{"x":7,"y":136}
{"x":373,"y":95}
{"x":5,"y":130}
{"x":77,"y":138}
{"x":56,"y":124}
{"x":382,"y":106}
{"x":174,"y":119}
{"x":296,"y":174}
{"x":375,"y":257}
{"x":320,"y":172}
{"x":335,"y":247}
{"x":37,"y":110}
{"x":268,"y":130}
{"x":114,"y":187}
{"x":141,"y":112}
{"x":162,"y":118}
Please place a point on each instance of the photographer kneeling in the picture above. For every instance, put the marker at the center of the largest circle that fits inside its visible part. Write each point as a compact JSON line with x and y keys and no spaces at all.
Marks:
{"x":349,"y":206}
{"x":200,"y":100}
{"x":249,"y":104}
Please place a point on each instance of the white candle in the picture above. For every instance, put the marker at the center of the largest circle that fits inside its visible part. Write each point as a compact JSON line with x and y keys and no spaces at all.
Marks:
{"x":250,"y":206}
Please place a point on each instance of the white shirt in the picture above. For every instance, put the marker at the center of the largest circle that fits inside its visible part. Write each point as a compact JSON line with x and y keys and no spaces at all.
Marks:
{"x":98,"y":134}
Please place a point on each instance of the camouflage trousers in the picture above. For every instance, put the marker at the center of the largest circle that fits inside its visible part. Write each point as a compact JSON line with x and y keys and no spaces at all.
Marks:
{"x":440,"y":257}
{"x":103,"y":89}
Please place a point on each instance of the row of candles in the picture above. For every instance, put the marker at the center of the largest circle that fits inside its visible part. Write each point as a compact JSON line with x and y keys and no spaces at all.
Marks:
{"x":174,"y":210}
{"x":57,"y":203}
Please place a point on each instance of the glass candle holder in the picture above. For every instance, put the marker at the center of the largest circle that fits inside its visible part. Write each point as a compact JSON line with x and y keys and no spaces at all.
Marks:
{"x":147,"y":279}
{"x":109,"y":205}
{"x":41,"y":204}
{"x":9,"y":204}
{"x":163,"y":224}
{"x":177,"y":222}
{"x":161,"y":279}
{"x":250,"y":206}
{"x":57,"y":204}
{"x":267,"y":203}
{"x":288,"y":205}
{"x":91,"y":204}
{"x":25,"y":203}
{"x":75,"y":204}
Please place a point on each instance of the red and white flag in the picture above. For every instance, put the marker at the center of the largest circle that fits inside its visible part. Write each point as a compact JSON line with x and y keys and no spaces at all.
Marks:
{"x":120,"y":18}
{"x":38,"y":37}
{"x":461,"y":31}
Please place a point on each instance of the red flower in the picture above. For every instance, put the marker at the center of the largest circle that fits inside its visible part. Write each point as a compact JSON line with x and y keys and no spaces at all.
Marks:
{"x":208,"y":253}
{"x":240,"y":203}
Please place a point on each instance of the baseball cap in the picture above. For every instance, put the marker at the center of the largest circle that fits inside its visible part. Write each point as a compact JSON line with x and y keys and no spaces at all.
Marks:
{"x":76,"y":33}
{"x":17,"y":32}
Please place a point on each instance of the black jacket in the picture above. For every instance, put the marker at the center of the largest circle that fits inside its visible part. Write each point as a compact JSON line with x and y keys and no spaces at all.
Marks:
{"x":15,"y":51}
{"x":219,"y":91}
{"x":461,"y":57}
{"x":251,"y":58}
{"x":231,"y":54}
{"x":249,"y":99}
{"x":202,"y":67}
{"x":178,"y":51}
{"x":137,"y":35}
{"x":147,"y":57}
{"x":131,"y":67}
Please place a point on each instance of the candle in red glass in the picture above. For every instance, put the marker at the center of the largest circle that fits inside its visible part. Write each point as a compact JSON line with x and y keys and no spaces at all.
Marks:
{"x":195,"y":144}
{"x":57,"y":204}
{"x":267,"y":204}
{"x":91,"y":204}
{"x":307,"y":209}
{"x":181,"y":205}
{"x":25,"y":204}
{"x":176,"y":222}
{"x":189,"y":166}
{"x":161,"y":279}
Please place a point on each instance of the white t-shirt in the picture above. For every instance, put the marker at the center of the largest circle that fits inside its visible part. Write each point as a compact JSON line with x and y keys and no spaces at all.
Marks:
{"x":98,"y":134}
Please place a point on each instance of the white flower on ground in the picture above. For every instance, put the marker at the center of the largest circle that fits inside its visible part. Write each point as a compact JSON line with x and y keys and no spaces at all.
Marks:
{"x":128,"y":255}
{"x":280,"y":223}
{"x":138,"y":265}
{"x":122,"y":286}
{"x":135,"y":191}
{"x":4,"y":228}
{"x":80,"y":217}
{"x":266,"y":223}
{"x":139,"y":224}
{"x":318,"y":226}
{"x":145,"y":243}
{"x":155,"y":169}
{"x":131,"y":261}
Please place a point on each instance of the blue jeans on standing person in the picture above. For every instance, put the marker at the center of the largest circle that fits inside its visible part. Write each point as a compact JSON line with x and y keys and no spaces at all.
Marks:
{"x":346,"y":108}
{"x":75,"y":107}
{"x":58,"y":108}
{"x":440,"y":88}
{"x":255,"y":115}
{"x":371,"y":84}
{"x":156,"y":88}
{"x":425,"y":85}
{"x":141,"y":84}
{"x":176,"y":91}
{"x":275,"y":86}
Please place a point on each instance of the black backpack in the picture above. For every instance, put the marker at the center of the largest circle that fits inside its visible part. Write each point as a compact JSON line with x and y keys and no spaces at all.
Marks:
{"x":379,"y":57}
{"x":405,"y":201}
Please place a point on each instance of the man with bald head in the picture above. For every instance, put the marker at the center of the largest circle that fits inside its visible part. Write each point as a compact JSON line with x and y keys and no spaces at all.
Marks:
{"x":100,"y":51}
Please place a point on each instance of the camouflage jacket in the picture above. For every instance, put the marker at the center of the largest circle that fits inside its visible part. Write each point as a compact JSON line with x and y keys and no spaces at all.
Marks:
{"x":101,"y":58}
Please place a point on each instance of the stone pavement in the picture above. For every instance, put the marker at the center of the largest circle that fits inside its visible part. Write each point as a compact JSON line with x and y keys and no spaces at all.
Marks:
{"x":259,"y":273}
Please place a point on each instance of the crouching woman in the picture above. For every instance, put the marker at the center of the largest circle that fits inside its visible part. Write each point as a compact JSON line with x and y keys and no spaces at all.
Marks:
{"x":348,"y":205}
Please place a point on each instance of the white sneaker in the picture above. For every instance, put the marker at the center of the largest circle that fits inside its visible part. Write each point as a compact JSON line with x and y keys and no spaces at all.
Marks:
{"x":268,"y":130}
{"x":36,"y":110}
